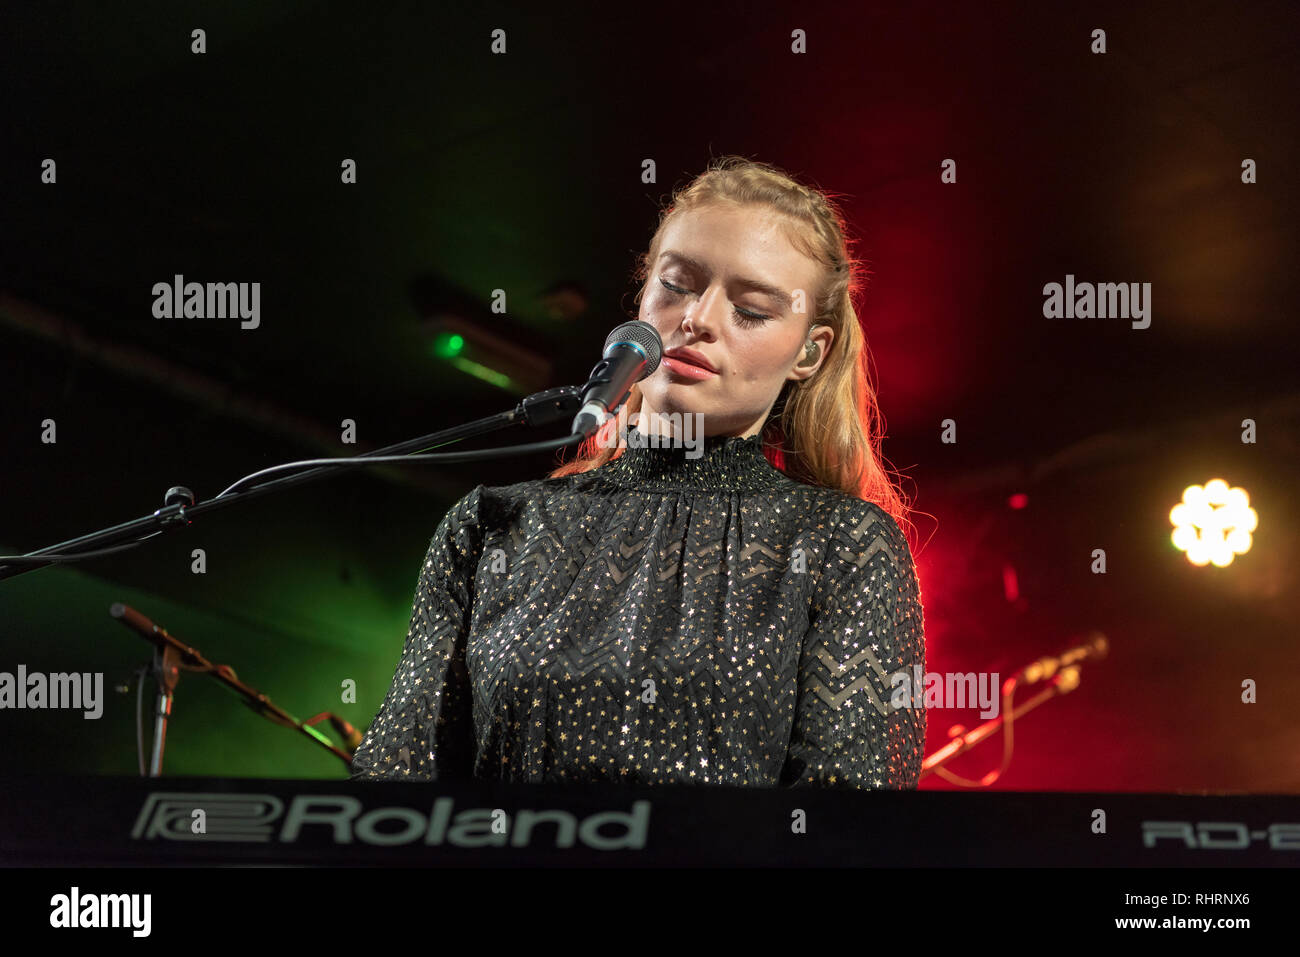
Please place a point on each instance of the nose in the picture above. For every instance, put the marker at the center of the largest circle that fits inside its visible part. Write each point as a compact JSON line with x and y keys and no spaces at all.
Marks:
{"x":704,"y":315}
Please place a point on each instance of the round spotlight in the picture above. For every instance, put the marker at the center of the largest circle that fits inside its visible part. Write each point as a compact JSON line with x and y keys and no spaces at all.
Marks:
{"x":1213,"y":523}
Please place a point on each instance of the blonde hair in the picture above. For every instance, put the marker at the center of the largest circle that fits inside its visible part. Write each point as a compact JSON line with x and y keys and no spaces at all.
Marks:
{"x":827,"y":429}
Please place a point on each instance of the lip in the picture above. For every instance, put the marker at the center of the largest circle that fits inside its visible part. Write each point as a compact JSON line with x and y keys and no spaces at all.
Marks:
{"x":692,"y":357}
{"x":681,"y":369}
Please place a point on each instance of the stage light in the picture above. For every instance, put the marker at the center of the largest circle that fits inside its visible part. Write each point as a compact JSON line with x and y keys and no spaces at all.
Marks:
{"x":1213,"y":523}
{"x":447,"y":345}
{"x":493,"y":356}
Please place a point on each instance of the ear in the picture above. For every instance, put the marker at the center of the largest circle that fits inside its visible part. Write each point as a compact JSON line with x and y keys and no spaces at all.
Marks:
{"x":803,"y":366}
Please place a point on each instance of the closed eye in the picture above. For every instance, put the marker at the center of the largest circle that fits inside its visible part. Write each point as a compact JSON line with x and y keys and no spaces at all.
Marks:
{"x":743,"y":316}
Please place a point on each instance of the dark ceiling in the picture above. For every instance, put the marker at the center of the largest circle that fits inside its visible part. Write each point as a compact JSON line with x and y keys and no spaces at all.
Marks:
{"x":522,"y":172}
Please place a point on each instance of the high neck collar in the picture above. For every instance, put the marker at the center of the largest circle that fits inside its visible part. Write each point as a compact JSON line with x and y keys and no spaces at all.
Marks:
{"x":726,"y":463}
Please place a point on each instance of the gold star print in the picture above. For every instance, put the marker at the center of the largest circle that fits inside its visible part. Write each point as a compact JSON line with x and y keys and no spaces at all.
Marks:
{"x":516,"y":666}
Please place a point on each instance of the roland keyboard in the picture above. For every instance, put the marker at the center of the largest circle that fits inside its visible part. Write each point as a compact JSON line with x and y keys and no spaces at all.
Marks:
{"x":83,"y":820}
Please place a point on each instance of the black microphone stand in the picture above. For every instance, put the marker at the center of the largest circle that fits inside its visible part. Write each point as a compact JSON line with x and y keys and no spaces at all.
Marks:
{"x":179,"y":508}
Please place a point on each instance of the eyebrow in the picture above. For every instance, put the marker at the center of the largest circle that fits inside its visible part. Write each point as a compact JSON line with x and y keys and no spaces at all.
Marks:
{"x":766,"y":289}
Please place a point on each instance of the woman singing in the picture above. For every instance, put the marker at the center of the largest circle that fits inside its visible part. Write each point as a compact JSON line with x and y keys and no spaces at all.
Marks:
{"x":652,"y":614}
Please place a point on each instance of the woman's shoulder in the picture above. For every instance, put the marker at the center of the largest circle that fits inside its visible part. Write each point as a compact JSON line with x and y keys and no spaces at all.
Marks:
{"x":816,"y":506}
{"x":527,"y":490}
{"x":859,"y":528}
{"x":841,"y":505}
{"x":492,"y":504}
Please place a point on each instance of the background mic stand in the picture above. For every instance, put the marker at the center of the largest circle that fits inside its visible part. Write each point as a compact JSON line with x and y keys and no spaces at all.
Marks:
{"x":1061,"y":673}
{"x":171,"y":655}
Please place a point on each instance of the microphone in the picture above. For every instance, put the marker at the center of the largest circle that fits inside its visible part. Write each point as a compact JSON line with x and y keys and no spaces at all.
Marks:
{"x":1095,"y":647}
{"x":632,"y":352}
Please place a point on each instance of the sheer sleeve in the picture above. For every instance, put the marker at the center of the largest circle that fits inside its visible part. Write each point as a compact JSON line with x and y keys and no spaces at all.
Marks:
{"x":425,"y":727}
{"x":865,"y":626}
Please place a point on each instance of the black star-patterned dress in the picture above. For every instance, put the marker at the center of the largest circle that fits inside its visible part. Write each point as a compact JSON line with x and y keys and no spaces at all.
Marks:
{"x":669,"y":618}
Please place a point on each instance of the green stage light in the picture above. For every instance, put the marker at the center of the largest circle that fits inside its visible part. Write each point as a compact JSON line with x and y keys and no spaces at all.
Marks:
{"x":448,"y":345}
